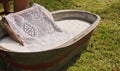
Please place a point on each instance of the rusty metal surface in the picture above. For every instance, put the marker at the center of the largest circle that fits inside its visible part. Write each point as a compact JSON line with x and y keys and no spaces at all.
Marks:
{"x":53,"y":60}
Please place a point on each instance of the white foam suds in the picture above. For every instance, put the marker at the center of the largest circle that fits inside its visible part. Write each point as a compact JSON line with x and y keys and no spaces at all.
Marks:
{"x":74,"y":26}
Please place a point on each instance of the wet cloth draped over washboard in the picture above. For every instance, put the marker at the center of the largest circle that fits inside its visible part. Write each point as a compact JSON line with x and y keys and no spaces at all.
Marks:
{"x":37,"y":29}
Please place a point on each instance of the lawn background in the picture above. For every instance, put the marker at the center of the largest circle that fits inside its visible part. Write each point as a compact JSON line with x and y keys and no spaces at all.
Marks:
{"x":103,"y":52}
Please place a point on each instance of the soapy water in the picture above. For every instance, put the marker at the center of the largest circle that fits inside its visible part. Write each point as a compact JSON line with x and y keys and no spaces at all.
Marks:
{"x":38,"y":30}
{"x":74,"y":27}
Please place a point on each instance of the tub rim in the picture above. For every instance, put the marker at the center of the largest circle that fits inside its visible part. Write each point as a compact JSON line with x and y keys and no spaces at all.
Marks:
{"x":72,"y":41}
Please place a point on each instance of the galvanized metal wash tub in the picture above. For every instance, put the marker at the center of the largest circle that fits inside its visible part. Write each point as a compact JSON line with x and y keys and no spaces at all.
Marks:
{"x":54,"y":59}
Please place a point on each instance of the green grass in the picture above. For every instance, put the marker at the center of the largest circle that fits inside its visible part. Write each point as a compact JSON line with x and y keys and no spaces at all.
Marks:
{"x":103,"y":52}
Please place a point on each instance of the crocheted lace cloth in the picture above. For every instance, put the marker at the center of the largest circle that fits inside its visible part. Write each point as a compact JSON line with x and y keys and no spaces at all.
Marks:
{"x":37,"y":29}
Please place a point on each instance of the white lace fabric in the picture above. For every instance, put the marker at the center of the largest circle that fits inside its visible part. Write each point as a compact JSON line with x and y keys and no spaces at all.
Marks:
{"x":37,"y":29}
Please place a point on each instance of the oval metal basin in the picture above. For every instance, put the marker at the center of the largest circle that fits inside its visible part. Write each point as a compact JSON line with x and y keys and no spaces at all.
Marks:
{"x":55,"y":58}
